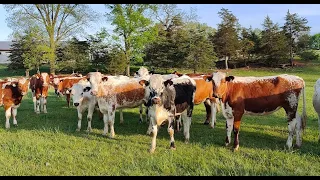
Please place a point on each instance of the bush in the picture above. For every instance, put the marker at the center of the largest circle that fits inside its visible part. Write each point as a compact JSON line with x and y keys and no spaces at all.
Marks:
{"x":309,"y":55}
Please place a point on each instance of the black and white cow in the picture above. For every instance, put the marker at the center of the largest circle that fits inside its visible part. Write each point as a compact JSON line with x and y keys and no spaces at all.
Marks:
{"x":166,"y":100}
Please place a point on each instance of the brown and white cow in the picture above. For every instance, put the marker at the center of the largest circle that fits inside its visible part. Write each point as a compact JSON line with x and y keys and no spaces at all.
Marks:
{"x":204,"y":95}
{"x":115,"y":92}
{"x":166,"y":100}
{"x":39,"y":85}
{"x":260,"y":95}
{"x":316,"y":102}
{"x":65,"y":85}
{"x":11,"y":94}
{"x":55,"y":79}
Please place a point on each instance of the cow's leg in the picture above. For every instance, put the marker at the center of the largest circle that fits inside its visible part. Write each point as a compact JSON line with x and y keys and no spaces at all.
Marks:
{"x":68,"y":99}
{"x":8,"y":115}
{"x":291,"y":127}
{"x":45,"y":104}
{"x":229,"y":127}
{"x":141,"y":111}
{"x":236,"y":129}
{"x":149,"y":131}
{"x":105,"y":121}
{"x":79,"y":119}
{"x":154,"y":130}
{"x":178,"y":122}
{"x":34,"y":99}
{"x":171,"y":132}
{"x":41,"y":103}
{"x":89,"y":117}
{"x":14,"y":114}
{"x":207,"y":105}
{"x":38,"y":105}
{"x":213,"y":114}
{"x":186,"y":126}
{"x":298,"y":131}
{"x":147,"y":112}
{"x":121,"y":116}
{"x":319,"y":127}
{"x":111,"y":122}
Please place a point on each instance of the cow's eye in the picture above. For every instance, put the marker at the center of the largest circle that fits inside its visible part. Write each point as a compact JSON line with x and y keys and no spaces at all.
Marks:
{"x":81,"y":94}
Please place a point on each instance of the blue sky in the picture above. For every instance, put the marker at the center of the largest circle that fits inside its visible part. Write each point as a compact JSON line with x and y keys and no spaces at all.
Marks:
{"x":248,"y":14}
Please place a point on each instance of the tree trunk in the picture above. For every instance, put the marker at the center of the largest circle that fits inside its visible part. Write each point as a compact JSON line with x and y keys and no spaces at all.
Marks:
{"x":52,"y":57}
{"x":226,"y":61}
{"x":27,"y":73}
{"x":128,"y":69}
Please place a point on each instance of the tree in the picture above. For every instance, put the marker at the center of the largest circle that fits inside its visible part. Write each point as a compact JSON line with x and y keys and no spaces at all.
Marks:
{"x":133,"y":29}
{"x":294,"y":27}
{"x":226,"y":40}
{"x":75,"y":56}
{"x":274,"y":44}
{"x":315,"y":41}
{"x":116,"y":63}
{"x":58,"y":21}
{"x":247,"y":44}
{"x":15,"y":57}
{"x":200,"y":49}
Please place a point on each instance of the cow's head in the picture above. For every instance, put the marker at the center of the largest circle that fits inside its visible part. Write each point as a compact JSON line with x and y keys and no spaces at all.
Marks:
{"x":45,"y":78}
{"x":95,"y":78}
{"x":23,"y":85}
{"x":142,"y":72}
{"x":154,"y":89}
{"x":80,"y":91}
{"x":219,"y":83}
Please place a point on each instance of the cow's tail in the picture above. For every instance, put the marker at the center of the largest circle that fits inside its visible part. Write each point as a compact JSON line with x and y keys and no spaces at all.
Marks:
{"x":304,"y":113}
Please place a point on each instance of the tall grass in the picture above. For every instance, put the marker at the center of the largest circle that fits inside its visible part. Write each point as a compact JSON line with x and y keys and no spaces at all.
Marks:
{"x":48,"y":144}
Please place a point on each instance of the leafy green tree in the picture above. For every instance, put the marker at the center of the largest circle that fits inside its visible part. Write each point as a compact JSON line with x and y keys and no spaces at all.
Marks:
{"x":274,"y":44}
{"x":58,"y":21}
{"x":294,"y":27}
{"x":315,"y":41}
{"x":116,"y":63}
{"x":15,"y":57}
{"x":226,"y":40}
{"x":133,"y":29}
{"x":247,"y":44}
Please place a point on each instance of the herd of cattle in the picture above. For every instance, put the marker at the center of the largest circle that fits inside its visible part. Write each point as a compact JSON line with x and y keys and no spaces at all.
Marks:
{"x":167,"y":99}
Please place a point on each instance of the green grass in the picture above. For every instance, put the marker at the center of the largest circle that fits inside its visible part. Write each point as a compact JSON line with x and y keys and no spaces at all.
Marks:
{"x":47,"y":144}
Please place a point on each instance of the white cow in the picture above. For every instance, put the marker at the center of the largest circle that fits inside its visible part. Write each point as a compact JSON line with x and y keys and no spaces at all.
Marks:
{"x":316,"y":102}
{"x":83,"y":100}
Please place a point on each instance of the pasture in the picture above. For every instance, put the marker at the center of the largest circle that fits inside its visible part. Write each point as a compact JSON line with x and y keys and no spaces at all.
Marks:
{"x":48,"y":144}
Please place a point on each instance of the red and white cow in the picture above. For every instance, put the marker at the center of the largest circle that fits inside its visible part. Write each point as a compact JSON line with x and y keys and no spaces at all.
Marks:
{"x":55,"y":79}
{"x":65,"y":85}
{"x":166,"y":100}
{"x":260,"y":95}
{"x":316,"y":102}
{"x":39,"y":85}
{"x":83,"y":100}
{"x":115,"y":92}
{"x":204,"y":95}
{"x":11,"y":94}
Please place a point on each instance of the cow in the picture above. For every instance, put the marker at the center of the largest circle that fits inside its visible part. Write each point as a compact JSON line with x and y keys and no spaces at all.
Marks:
{"x":259,"y":95}
{"x":65,"y":85}
{"x":55,"y":79}
{"x":316,"y":102}
{"x":166,"y":100}
{"x":11,"y":94}
{"x":115,"y":92}
{"x":83,"y":100}
{"x":204,"y":95}
{"x":39,"y":85}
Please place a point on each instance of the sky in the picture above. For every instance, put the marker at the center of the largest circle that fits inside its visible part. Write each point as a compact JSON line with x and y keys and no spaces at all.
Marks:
{"x":247,"y":14}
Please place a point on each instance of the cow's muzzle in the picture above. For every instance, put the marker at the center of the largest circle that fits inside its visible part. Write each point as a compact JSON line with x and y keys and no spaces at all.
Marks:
{"x":76,"y":104}
{"x":93,"y":93}
{"x":156,"y":100}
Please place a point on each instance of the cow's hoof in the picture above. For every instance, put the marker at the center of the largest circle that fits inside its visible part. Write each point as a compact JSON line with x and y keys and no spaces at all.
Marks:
{"x":152,"y":150}
{"x":173,"y":148}
{"x":227,"y":144}
{"x":89,"y":130}
{"x":77,"y":129}
{"x":236,"y":148}
{"x":38,"y":112}
{"x":7,"y":126}
{"x":15,"y":125}
{"x":206,"y":123}
{"x":186,"y":141}
{"x":297,"y":146}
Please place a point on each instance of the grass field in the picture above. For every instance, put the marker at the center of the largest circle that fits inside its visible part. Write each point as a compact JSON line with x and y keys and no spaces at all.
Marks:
{"x":47,"y":144}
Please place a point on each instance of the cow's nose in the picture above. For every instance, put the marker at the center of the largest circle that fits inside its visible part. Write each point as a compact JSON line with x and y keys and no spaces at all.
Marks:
{"x":156,"y":101}
{"x":76,"y":104}
{"x":93,"y":93}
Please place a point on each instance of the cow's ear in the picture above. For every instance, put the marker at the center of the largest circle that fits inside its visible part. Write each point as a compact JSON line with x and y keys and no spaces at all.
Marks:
{"x":229,"y":78}
{"x":37,"y":77}
{"x":61,"y":80}
{"x":105,"y":78}
{"x":86,"y":89}
{"x":168,"y":82}
{"x":143,"y":82}
{"x":207,"y":78}
{"x":151,"y":72}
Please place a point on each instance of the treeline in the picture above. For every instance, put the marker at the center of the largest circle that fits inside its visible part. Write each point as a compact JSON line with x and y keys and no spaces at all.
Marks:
{"x":157,"y":36}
